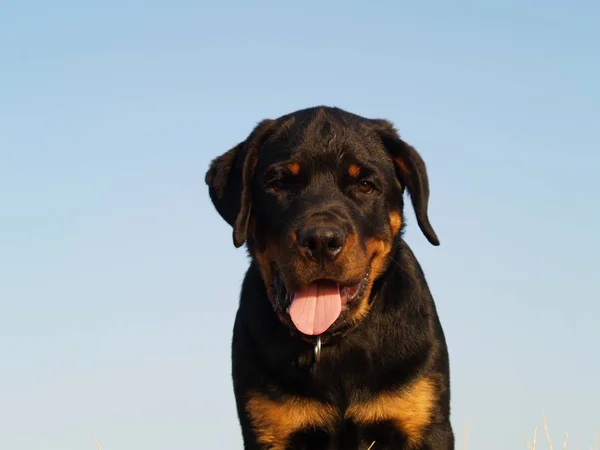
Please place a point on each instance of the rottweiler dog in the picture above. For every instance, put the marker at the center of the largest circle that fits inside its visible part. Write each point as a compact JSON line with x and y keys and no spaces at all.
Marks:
{"x":337,"y":343}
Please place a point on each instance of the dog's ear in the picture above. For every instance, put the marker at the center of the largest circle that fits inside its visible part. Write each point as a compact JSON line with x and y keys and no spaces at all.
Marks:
{"x":411,"y":169}
{"x":229,"y":179}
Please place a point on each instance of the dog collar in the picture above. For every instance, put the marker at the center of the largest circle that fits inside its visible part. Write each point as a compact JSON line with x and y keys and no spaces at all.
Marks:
{"x":318,"y":342}
{"x":317,"y":350}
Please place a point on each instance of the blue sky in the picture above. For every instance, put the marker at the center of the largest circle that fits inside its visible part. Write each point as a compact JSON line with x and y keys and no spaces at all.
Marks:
{"x":119,"y":282}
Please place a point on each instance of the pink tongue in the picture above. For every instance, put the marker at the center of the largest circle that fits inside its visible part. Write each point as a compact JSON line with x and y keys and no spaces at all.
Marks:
{"x":315,"y":307}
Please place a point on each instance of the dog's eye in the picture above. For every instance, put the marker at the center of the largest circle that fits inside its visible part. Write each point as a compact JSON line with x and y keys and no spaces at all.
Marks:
{"x":277,"y":185}
{"x":366,"y":187}
{"x":283,"y":186}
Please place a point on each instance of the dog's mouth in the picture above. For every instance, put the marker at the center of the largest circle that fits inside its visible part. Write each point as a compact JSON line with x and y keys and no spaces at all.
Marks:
{"x":315,"y":307}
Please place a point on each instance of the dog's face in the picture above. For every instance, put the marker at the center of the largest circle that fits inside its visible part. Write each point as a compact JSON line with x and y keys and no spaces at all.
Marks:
{"x":318,"y":196}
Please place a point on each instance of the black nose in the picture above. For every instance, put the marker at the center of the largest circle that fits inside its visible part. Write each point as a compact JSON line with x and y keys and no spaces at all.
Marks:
{"x":322,"y":242}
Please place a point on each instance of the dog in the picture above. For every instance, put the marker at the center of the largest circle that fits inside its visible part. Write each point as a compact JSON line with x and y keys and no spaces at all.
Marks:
{"x":337,"y":343}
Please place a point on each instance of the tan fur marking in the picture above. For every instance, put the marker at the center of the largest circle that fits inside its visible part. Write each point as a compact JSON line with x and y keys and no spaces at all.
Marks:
{"x":377,"y":252}
{"x":353,"y":170}
{"x":275,"y":421}
{"x":410,"y":408}
{"x":294,"y":168}
{"x":352,"y":257}
{"x":403,"y":167}
{"x":395,"y":222}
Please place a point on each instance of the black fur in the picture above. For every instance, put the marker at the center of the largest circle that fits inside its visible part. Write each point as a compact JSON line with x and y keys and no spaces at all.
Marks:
{"x":400,"y":339}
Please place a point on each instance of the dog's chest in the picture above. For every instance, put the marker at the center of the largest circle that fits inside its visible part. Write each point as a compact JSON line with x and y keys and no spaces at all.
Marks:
{"x":348,"y":417}
{"x":358,"y":410}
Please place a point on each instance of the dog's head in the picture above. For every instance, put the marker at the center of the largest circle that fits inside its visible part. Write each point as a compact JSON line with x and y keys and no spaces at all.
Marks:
{"x":317,"y":195}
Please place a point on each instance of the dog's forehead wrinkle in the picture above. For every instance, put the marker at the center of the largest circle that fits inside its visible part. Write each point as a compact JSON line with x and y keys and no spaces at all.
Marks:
{"x":316,"y":133}
{"x":286,"y":125}
{"x":320,"y":130}
{"x":324,"y":181}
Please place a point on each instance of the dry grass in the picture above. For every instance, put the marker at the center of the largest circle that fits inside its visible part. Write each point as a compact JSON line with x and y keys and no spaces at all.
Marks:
{"x":533,"y":444}
{"x":547,"y":430}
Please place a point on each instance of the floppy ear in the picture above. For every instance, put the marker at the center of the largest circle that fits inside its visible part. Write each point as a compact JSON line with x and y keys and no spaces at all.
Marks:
{"x":412,"y":172}
{"x":229,"y":179}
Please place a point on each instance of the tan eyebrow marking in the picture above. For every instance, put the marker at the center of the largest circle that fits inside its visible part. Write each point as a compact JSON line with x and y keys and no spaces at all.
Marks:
{"x":353,"y":170}
{"x":403,"y":167}
{"x":294,"y":168}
